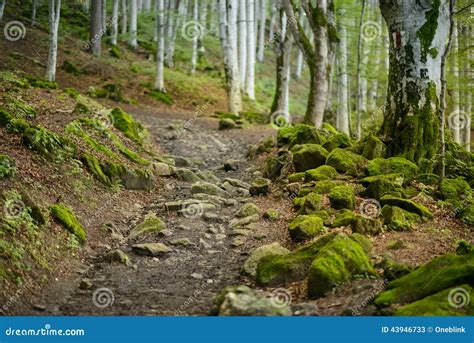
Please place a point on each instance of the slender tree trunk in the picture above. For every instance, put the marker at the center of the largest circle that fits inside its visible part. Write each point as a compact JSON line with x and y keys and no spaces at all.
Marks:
{"x":172,"y":25}
{"x":242,"y":42}
{"x":2,"y":8}
{"x":54,"y":15}
{"x":133,"y":24}
{"x":342,"y":119}
{"x":455,"y":127}
{"x":34,"y":6}
{"x":160,"y":49}
{"x":261,"y":36}
{"x":468,"y":72}
{"x":96,"y":33}
{"x":195,"y":37}
{"x":124,"y":17}
{"x":419,"y":32}
{"x":250,"y":78}
{"x":299,"y":58}
{"x":115,"y":18}
{"x":104,"y":16}
{"x":360,"y":96}
{"x":273,"y":15}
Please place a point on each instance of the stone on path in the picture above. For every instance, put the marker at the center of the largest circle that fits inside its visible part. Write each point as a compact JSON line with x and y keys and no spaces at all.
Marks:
{"x":151,"y":249}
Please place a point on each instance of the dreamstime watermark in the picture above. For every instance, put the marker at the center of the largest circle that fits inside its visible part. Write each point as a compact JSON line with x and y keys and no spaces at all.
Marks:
{"x":103,"y":297}
{"x":459,"y":120}
{"x":102,"y":120}
{"x":279,"y":34}
{"x":192,"y":30}
{"x":371,"y":30}
{"x":280,"y":119}
{"x":14,"y":298}
{"x":459,"y":297}
{"x":191,"y":299}
{"x":370,"y":208}
{"x":45,"y":331}
{"x":378,"y":288}
{"x":280,"y":297}
{"x":199,"y":112}
{"x":14,"y":31}
{"x":88,"y":45}
{"x":192,"y":209}
{"x":14,"y":208}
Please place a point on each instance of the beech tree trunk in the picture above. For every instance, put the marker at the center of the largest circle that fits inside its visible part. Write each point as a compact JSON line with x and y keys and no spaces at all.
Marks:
{"x":115,"y":14}
{"x":469,"y":75}
{"x":104,"y":15}
{"x":261,"y":33}
{"x":133,"y":23}
{"x":342,"y":118}
{"x":2,"y":8}
{"x":250,"y":77}
{"x":195,"y":37}
{"x":95,"y":34}
{"x":419,"y":34}
{"x":34,"y":6}
{"x":124,"y":16}
{"x":242,"y":42}
{"x":160,"y":49}
{"x":53,"y":18}
{"x":455,"y":125}
{"x":172,"y":25}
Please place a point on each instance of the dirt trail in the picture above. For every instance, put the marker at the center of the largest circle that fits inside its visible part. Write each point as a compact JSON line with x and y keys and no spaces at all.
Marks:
{"x":185,"y":280}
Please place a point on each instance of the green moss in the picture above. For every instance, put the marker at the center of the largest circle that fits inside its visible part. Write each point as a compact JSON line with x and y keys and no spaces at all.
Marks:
{"x":338,"y":140}
{"x":309,"y":203}
{"x":325,"y":186}
{"x":151,"y":224}
{"x":366,"y":226}
{"x":246,"y":210}
{"x":271,"y":214}
{"x":320,"y":173}
{"x":305,"y":227}
{"x":345,"y":161}
{"x":129,"y":126}
{"x":308,"y":156}
{"x":378,"y":186}
{"x":115,"y":52}
{"x":135,"y":68}
{"x":40,"y":83}
{"x":393,"y":165}
{"x":427,"y":32}
{"x":70,"y":68}
{"x":296,"y":177}
{"x":266,"y":145}
{"x":337,"y":262}
{"x":437,"y":275}
{"x":95,"y":92}
{"x":397,"y":219}
{"x":72,"y":92}
{"x":48,"y":143}
{"x":455,"y":191}
{"x":344,"y":217}
{"x":66,"y":217}
{"x":342,"y":197}
{"x":255,"y":117}
{"x":300,"y":134}
{"x":373,"y":148}
{"x":162,"y":97}
{"x":407,"y":205}
{"x":19,"y":108}
{"x":393,"y":270}
{"x":95,"y":168}
{"x":7,"y":166}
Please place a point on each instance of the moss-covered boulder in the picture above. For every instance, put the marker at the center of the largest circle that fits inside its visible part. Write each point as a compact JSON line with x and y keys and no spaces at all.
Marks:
{"x":271,"y":214}
{"x":151,"y":224}
{"x":7,"y":166}
{"x":392,"y":165}
{"x":407,"y":205}
{"x":455,"y":190}
{"x":439,"y":274}
{"x":344,"y":217}
{"x":300,"y":134}
{"x":250,"y":265}
{"x":227,"y":123}
{"x":342,"y":197}
{"x":453,"y":301}
{"x":467,"y":214}
{"x":308,"y":156}
{"x":296,"y":177}
{"x":260,"y":186}
{"x":266,"y":145}
{"x":339,"y":261}
{"x":345,"y":161}
{"x":208,"y":188}
{"x":393,"y":270}
{"x":398,"y":219}
{"x":379,"y":185}
{"x":320,"y":173}
{"x":366,"y":225}
{"x":248,"y":209}
{"x":66,"y":217}
{"x":325,"y":186}
{"x":275,"y":164}
{"x":373,"y":148}
{"x":276,"y":270}
{"x":129,"y":126}
{"x":324,"y":215}
{"x":309,"y":203}
{"x":305,"y":227}
{"x":338,"y":140}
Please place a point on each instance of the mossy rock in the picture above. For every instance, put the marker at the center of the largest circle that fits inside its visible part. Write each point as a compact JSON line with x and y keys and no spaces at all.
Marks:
{"x":338,"y":140}
{"x":392,"y":165}
{"x":407,"y":205}
{"x":255,"y":117}
{"x":66,"y":217}
{"x":441,"y":303}
{"x":276,"y":270}
{"x":373,"y":148}
{"x":340,"y":260}
{"x":393,"y":270}
{"x":309,"y":204}
{"x":151,"y":224}
{"x":250,"y":265}
{"x":325,"y":186}
{"x":260,"y":186}
{"x":344,"y":217}
{"x":7,"y":166}
{"x":246,"y":210}
{"x":455,"y":191}
{"x":271,"y":214}
{"x":308,"y":156}
{"x":397,"y":219}
{"x":48,"y":144}
{"x":70,"y":68}
{"x":439,"y":274}
{"x":296,"y":177}
{"x":129,"y":126}
{"x":324,"y":215}
{"x":300,"y":134}
{"x":266,"y":145}
{"x":345,"y":161}
{"x":12,"y":124}
{"x":366,"y":226}
{"x":320,"y":173}
{"x":305,"y":227}
{"x":428,"y":179}
{"x":467,"y":214}
{"x":227,"y":123}
{"x":342,"y":197}
{"x":208,"y":188}
{"x":274,"y":164}
{"x":45,"y":84}
{"x":378,"y":186}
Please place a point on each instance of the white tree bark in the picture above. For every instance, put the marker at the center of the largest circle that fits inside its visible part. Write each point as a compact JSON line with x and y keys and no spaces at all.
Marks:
{"x":160,"y":49}
{"x":124,"y":17}
{"x":242,"y":42}
{"x":34,"y":6}
{"x":273,"y":15}
{"x":96,"y":33}
{"x":115,"y":18}
{"x":104,"y":15}
{"x":53,"y":18}
{"x":456,"y":129}
{"x":342,"y":119}
{"x":469,"y":73}
{"x":147,"y":5}
{"x":195,"y":37}
{"x":2,"y":8}
{"x":250,"y":78}
{"x":261,"y":35}
{"x":133,"y":24}
{"x":299,"y":58}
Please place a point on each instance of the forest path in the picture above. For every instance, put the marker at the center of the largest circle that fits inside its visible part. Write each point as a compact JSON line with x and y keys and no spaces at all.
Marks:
{"x":185,"y":280}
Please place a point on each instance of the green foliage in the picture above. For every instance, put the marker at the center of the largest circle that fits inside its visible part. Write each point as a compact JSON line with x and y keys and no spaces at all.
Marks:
{"x":48,"y":143}
{"x":7,"y":166}
{"x":163,"y":97}
{"x":66,"y":217}
{"x":41,"y":83}
{"x":19,"y":108}
{"x":70,"y":68}
{"x":427,"y":32}
{"x":129,"y":126}
{"x":115,"y":52}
